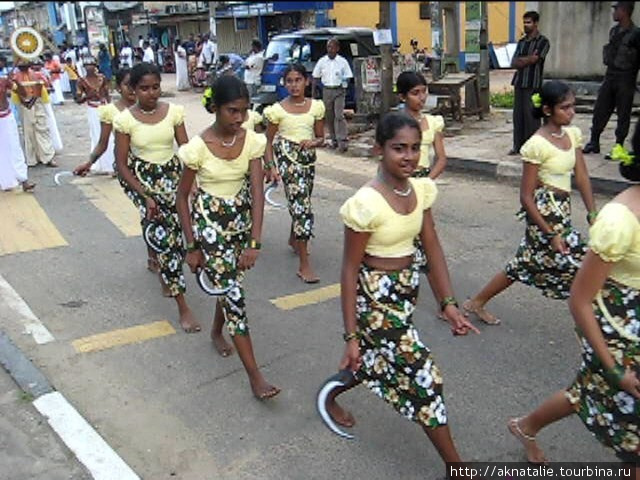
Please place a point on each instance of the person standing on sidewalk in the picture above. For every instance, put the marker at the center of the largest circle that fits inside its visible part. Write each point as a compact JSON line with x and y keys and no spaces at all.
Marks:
{"x":528,"y":60}
{"x":334,"y":72}
{"x":622,"y":58}
{"x":253,"y":67}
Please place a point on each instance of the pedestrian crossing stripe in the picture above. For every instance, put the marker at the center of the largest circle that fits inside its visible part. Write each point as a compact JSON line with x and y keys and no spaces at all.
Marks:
{"x":106,"y":194}
{"x":310,"y":297}
{"x":123,"y":336}
{"x":25,"y":225}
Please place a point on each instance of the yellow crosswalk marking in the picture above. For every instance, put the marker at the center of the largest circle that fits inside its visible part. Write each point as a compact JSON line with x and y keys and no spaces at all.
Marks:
{"x":310,"y":297}
{"x":125,"y":336}
{"x":25,"y":225}
{"x":108,"y":197}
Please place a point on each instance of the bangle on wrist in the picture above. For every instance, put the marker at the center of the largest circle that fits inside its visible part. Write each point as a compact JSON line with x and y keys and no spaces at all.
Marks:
{"x":549,"y":236}
{"x":347,"y":337}
{"x":446,"y":301}
{"x":192,"y":246}
{"x":591,"y":216}
{"x":614,"y":374}
{"x":254,"y":244}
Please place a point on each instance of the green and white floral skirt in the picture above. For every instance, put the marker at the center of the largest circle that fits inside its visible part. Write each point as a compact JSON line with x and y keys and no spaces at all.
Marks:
{"x":536,"y":263}
{"x":297,"y":167}
{"x":611,"y":414}
{"x":223,"y":229}
{"x":396,"y":365}
{"x":161,"y":183}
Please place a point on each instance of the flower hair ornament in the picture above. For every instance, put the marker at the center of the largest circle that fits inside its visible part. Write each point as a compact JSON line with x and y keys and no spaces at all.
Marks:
{"x":207,"y":95}
{"x":536,"y":99}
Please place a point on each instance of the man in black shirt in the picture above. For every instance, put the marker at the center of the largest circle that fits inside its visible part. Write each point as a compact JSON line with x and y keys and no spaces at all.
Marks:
{"x":622,"y":58}
{"x":528,"y":60}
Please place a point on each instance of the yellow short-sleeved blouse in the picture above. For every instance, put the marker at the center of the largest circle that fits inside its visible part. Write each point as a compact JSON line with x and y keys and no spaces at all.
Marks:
{"x":151,"y":142}
{"x":254,"y":118}
{"x":436,"y":125}
{"x":615,"y":237}
{"x":295,"y":126}
{"x":108,"y":112}
{"x":392,"y":234}
{"x":217,"y":176}
{"x":555,"y":164}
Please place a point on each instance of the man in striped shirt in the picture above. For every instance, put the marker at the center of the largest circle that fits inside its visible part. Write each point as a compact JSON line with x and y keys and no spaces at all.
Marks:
{"x":528,"y":60}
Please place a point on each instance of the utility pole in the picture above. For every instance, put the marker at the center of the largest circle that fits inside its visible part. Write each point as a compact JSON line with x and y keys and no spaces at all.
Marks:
{"x":483,"y":77}
{"x":212,"y":27}
{"x":386,"y":78}
{"x":437,"y":40}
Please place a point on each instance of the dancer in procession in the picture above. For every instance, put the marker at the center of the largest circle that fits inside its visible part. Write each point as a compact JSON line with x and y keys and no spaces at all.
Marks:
{"x":56,"y":139}
{"x":379,"y":286}
{"x":149,"y":171}
{"x":298,"y":121}
{"x":605,"y":303}
{"x":94,"y":90}
{"x":223,"y":229}
{"x":54,"y":69}
{"x":547,"y":255}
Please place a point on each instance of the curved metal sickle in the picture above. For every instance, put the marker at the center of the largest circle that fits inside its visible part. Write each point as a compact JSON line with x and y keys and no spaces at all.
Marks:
{"x":146,"y":233}
{"x":267,"y":195}
{"x":340,"y":379}
{"x":201,"y":278}
{"x":57,"y":176}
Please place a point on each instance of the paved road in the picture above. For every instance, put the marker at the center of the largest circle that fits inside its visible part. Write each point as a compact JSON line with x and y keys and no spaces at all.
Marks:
{"x":173,"y":409}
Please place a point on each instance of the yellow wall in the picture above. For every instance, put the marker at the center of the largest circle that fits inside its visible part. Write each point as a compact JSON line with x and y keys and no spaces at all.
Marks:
{"x":410,"y":26}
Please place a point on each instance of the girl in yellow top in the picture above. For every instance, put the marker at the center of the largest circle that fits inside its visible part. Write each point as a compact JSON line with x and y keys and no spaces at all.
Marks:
{"x":412,"y":88}
{"x":380,"y":287}
{"x":551,"y":247}
{"x":224,"y":227}
{"x":605,"y":303}
{"x":299,"y":122}
{"x":149,"y":172}
{"x":107,"y":113}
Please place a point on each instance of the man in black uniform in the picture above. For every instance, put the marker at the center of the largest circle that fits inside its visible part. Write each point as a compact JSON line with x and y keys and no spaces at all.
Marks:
{"x":528,"y":60}
{"x":622,"y":58}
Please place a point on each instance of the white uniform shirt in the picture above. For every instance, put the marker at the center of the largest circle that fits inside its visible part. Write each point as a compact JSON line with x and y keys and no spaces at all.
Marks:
{"x":148,"y":55}
{"x":209,"y":51}
{"x":253,"y":68}
{"x":126,"y":57}
{"x":333,"y":73}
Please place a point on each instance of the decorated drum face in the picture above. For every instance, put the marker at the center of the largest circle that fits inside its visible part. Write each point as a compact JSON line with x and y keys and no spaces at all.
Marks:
{"x":208,"y":286}
{"x":27,"y":43}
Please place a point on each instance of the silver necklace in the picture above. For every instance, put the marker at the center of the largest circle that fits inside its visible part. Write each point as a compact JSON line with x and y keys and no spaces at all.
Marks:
{"x":301,"y":104}
{"x":229,"y":144}
{"x":400,"y":193}
{"x":558,"y":135}
{"x":146,"y":112}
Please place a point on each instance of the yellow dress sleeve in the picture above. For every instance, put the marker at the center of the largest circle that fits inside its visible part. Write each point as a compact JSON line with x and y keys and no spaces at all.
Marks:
{"x":273,"y":114}
{"x":123,"y":122}
{"x":106,"y":113}
{"x":258,"y":144}
{"x":436,"y":122}
{"x":426,"y":190}
{"x":191,"y":153}
{"x":533,"y":150}
{"x":358,"y":213}
{"x":612,"y":234}
{"x":575,"y":134}
{"x":178,"y":114}
{"x":317,"y":109}
{"x":256,"y":118}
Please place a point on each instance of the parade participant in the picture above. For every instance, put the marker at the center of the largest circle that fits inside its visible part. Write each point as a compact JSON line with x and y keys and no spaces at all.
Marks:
{"x":56,"y":140}
{"x":13,"y":166}
{"x":334,"y":72}
{"x":72,"y":73}
{"x":54,"y":69}
{"x":30,"y":93}
{"x":412,"y":88}
{"x":225,"y":224}
{"x":547,"y":254}
{"x":379,"y":285}
{"x":103,"y":150}
{"x":94,"y":90}
{"x":182,"y":72}
{"x":298,"y":121}
{"x":149,"y":171}
{"x":605,"y":303}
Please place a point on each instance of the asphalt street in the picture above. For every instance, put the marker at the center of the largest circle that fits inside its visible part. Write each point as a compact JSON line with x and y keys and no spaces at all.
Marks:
{"x":172,"y":408}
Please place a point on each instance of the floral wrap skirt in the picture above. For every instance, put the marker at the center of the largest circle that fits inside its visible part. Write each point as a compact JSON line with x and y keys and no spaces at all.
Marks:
{"x":610,"y":413}
{"x":160,"y":182}
{"x":536,"y":263}
{"x":223,"y":229}
{"x":396,"y":365}
{"x":297,"y":167}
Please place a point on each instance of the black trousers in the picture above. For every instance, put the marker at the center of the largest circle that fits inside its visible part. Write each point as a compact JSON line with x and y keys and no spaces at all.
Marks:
{"x":524,"y":123}
{"x":616,"y":92}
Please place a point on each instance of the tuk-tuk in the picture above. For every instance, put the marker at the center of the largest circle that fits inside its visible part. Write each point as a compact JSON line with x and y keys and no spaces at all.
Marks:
{"x":307,"y":46}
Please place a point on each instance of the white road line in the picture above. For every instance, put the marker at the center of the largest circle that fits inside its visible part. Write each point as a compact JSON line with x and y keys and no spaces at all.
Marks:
{"x":87,"y":445}
{"x":31,"y":324}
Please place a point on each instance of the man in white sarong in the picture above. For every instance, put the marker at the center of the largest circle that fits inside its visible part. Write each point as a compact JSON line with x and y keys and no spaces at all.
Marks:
{"x":182,"y":72}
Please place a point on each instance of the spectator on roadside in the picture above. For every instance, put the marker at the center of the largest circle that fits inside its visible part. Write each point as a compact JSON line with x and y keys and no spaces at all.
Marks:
{"x":334,"y":72}
{"x":149,"y":55}
{"x":253,"y":67}
{"x":528,"y":60}
{"x":104,"y":62}
{"x":208,"y":51}
{"x":126,"y":56}
{"x":72,"y":73}
{"x":622,"y":58}
{"x":182,"y":71}
{"x":190,"y":45}
{"x":140,"y":42}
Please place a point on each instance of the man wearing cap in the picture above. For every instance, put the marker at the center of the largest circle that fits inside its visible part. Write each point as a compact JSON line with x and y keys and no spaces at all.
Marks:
{"x":622,"y":58}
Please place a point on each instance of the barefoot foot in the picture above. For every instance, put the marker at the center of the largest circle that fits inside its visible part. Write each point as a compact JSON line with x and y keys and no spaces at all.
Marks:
{"x":307,"y":275}
{"x":221,"y":345}
{"x":478,"y":310}
{"x":263,"y":390}
{"x":188,"y":322}
{"x":534,"y":454}
{"x":339,"y":415}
